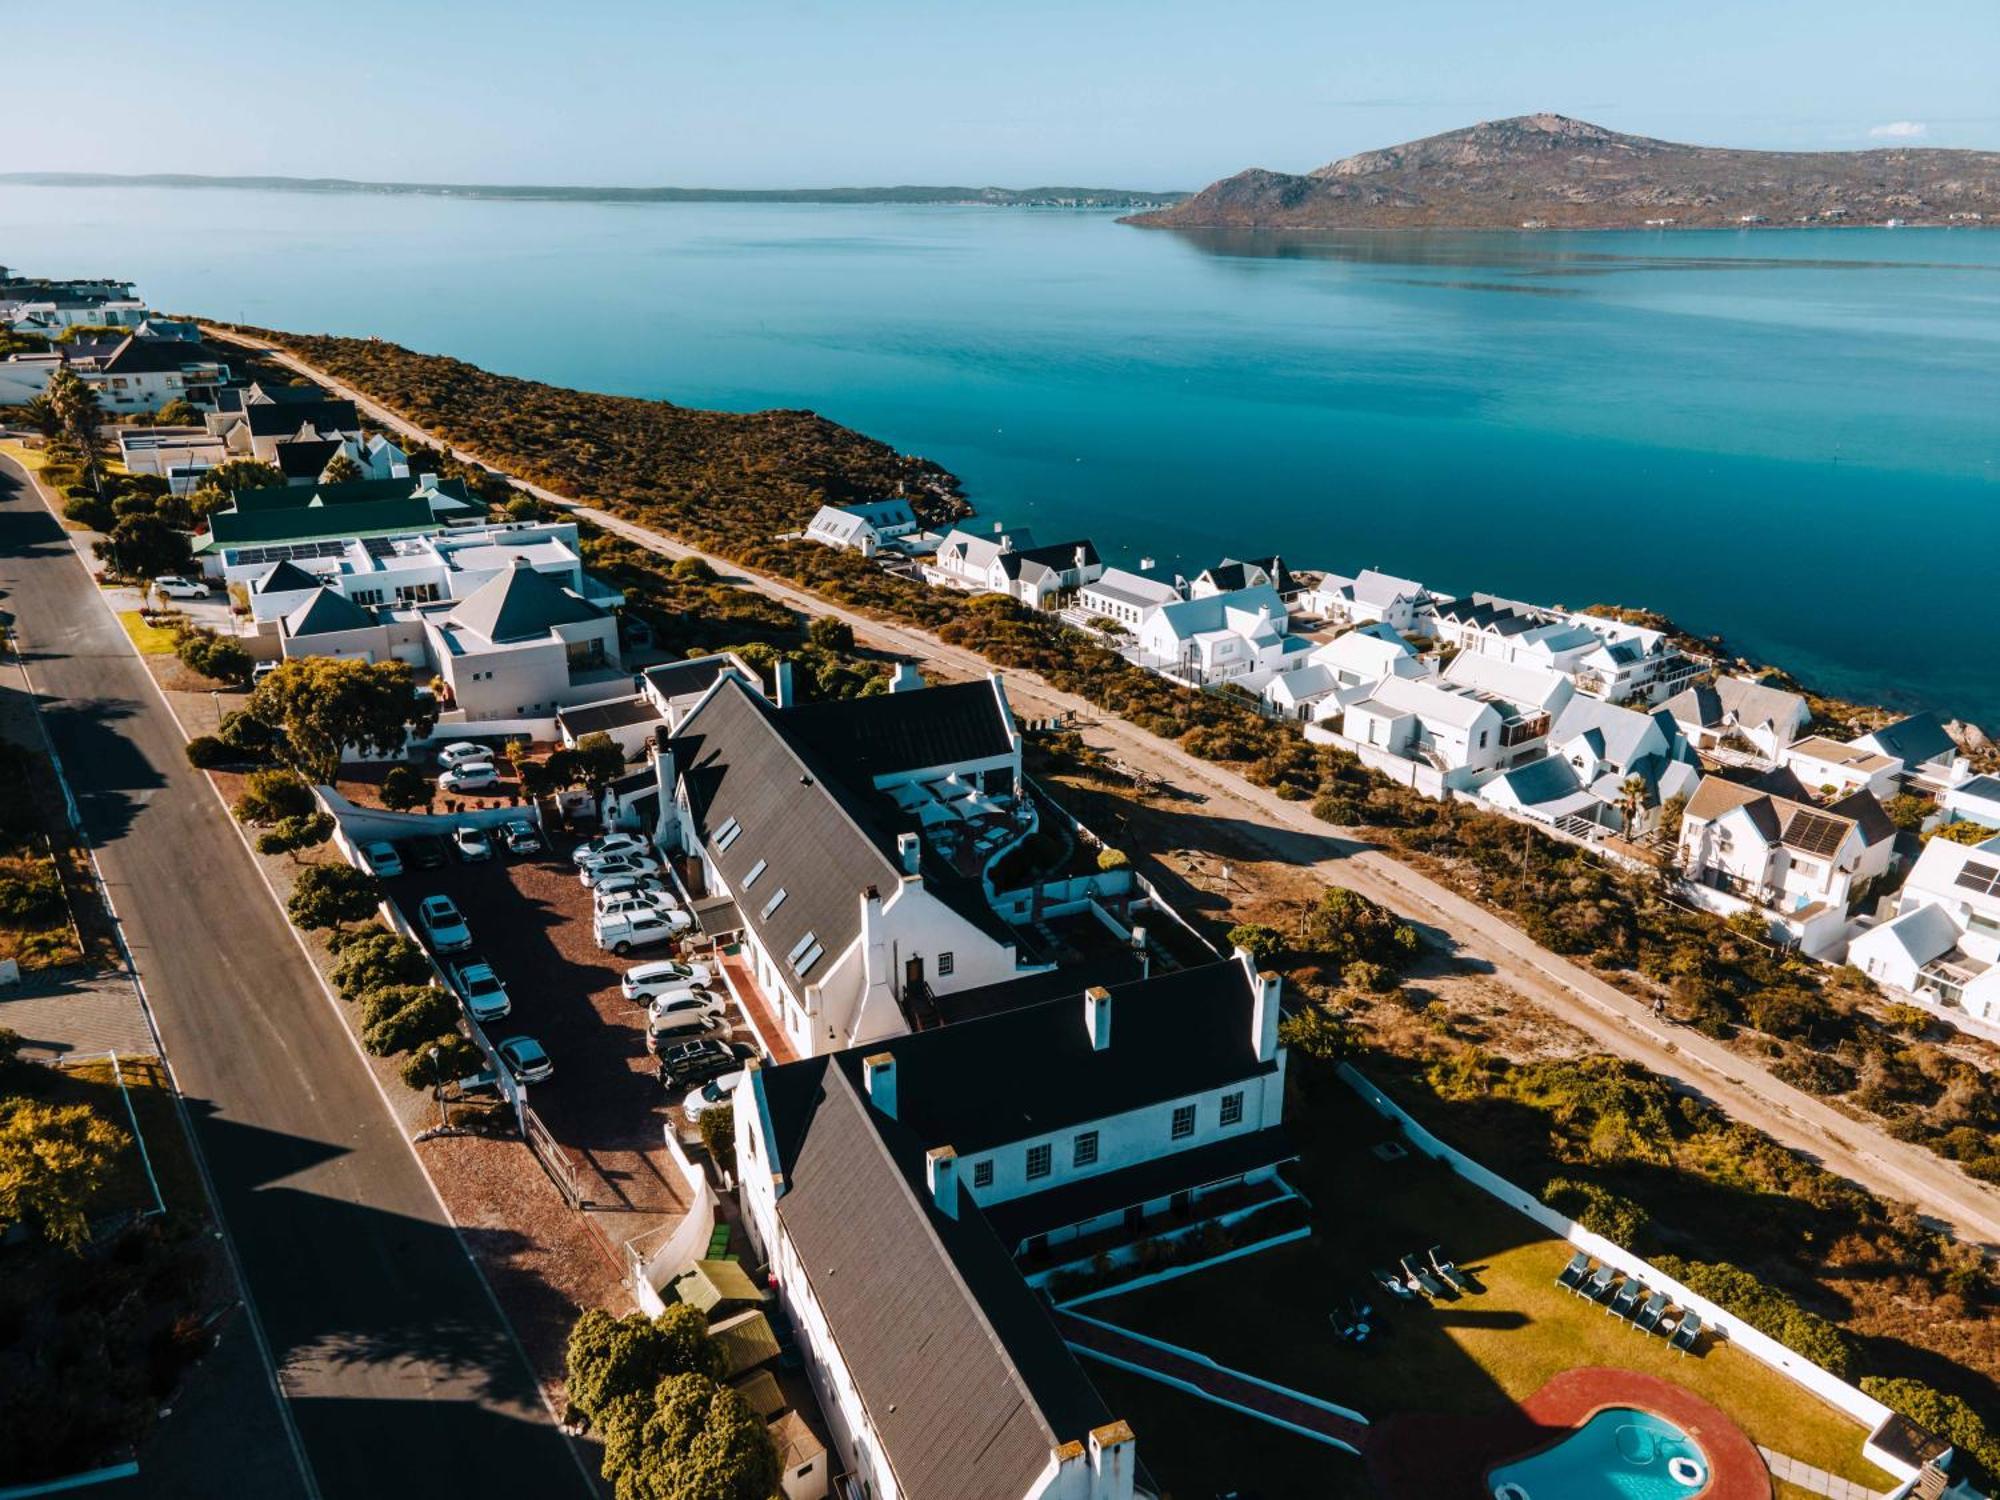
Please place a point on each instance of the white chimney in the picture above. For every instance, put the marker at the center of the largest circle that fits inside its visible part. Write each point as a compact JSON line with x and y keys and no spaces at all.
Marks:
{"x":1006,"y":544}
{"x":1114,"y":1457}
{"x":1264,"y":1015}
{"x":782,"y":685}
{"x":1081,"y":553}
{"x":905,"y":678}
{"x":909,"y":852}
{"x":941,"y":1171}
{"x":399,"y":471}
{"x":878,"y":1075}
{"x":1097,"y":1016}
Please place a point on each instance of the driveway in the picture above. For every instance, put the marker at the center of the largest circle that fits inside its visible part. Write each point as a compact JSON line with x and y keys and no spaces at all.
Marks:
{"x":385,"y":1341}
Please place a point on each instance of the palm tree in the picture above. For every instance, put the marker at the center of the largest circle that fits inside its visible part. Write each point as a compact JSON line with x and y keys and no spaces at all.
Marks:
{"x":42,"y":415}
{"x":1631,"y":797}
{"x":76,"y":408}
{"x":341,"y":469}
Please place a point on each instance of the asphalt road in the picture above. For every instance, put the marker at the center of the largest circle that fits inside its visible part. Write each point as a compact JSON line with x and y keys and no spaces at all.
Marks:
{"x":400,"y":1375}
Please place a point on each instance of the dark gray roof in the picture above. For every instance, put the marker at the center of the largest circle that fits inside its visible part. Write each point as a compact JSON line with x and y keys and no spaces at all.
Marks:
{"x":520,"y":604}
{"x":592,"y":718}
{"x":680,"y":679}
{"x":283,"y":417}
{"x":1695,"y":705}
{"x":137,"y":356}
{"x":304,"y":458}
{"x":931,"y":726}
{"x":1915,"y":740}
{"x":327,"y":611}
{"x":284,"y":578}
{"x":1058,"y":557}
{"x":1985,"y":787}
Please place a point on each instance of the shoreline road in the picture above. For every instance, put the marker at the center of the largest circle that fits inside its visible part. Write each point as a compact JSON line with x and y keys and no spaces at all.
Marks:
{"x":1854,"y":1148}
{"x":400,"y":1375}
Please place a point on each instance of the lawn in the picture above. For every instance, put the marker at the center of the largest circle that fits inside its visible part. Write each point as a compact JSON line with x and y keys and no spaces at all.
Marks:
{"x":1472,"y":1357}
{"x":152,"y":640}
{"x":147,"y":1096}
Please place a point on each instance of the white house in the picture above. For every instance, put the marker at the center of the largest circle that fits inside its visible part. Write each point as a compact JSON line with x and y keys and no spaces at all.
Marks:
{"x":862,"y":528}
{"x":1930,"y":758}
{"x":1401,"y":603}
{"x":1802,"y":865}
{"x":1242,"y":637}
{"x":1943,"y":945}
{"x":1595,"y":750}
{"x":1529,"y":697}
{"x":1343,"y":670}
{"x":254,"y":419}
{"x":911,"y":1174}
{"x":1457,"y":731}
{"x":1741,"y":717}
{"x":1125,"y":597}
{"x":1231,"y":574}
{"x":1974,"y":800}
{"x":56,"y":312}
{"x":179,"y":455}
{"x":1832,"y":769}
{"x":1010,"y":563}
{"x":131,"y":374}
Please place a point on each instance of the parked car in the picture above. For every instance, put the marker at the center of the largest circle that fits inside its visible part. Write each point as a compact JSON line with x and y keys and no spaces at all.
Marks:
{"x":484,"y":995}
{"x":471,"y":844}
{"x":717,"y":1091}
{"x":426,"y":852}
{"x":470,"y":776}
{"x":620,"y":885}
{"x":607,"y":844}
{"x":447,"y":929}
{"x":623,"y":931}
{"x":643,"y":981}
{"x":526,"y":1060}
{"x":677,"y":920}
{"x":673,"y":1020}
{"x":462,"y":752}
{"x":262,"y":670}
{"x":654,"y":895}
{"x":692,"y":1063}
{"x":382,"y":859}
{"x":617,"y":864}
{"x":176,"y":587}
{"x":520,"y":836}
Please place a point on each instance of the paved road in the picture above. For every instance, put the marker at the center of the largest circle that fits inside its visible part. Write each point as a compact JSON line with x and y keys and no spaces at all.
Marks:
{"x":400,"y":1375}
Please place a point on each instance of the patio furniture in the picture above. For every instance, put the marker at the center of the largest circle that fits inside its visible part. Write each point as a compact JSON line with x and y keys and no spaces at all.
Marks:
{"x":1571,"y":1277}
{"x":1685,"y":1335}
{"x":1449,"y":1270}
{"x":1393,"y":1285}
{"x":1421,"y":1279}
{"x":1648,"y":1317}
{"x":1627,"y":1298}
{"x":1599,"y":1286}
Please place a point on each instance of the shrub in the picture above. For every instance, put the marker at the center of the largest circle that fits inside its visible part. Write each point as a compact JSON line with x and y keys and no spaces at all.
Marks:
{"x":1814,"y":1072}
{"x":1331,"y":807}
{"x":330,"y":895}
{"x":1766,"y":1309}
{"x":1109,"y":860}
{"x":458,"y":1057}
{"x":718,"y":1135}
{"x":423,"y":1013}
{"x":289,"y":835}
{"x":1255,"y":939}
{"x":269,"y":796}
{"x":205,"y":752}
{"x":1597,"y":1209}
{"x":372,"y":959}
{"x":89,"y":511}
{"x":692,"y":570}
{"x":403,"y":789}
{"x":1314,"y":1032}
{"x":206,"y":652}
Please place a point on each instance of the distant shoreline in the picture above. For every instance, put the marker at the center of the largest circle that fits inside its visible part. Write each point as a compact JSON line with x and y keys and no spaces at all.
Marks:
{"x":1127,"y":199}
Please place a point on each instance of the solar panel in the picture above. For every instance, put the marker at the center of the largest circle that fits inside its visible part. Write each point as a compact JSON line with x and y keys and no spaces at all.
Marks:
{"x":1814,"y":833}
{"x":1982,"y":878}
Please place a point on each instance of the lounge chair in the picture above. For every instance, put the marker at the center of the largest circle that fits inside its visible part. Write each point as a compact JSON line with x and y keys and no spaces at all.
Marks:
{"x":1449,"y":1270}
{"x":1599,"y":1286}
{"x":1393,"y":1285}
{"x":1421,"y":1279}
{"x":1648,"y":1317}
{"x":1571,"y":1277}
{"x":1627,"y":1299}
{"x":1686,"y":1334}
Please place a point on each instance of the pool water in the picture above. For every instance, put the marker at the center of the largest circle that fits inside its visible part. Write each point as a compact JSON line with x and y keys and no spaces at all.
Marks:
{"x":1619,"y":1454}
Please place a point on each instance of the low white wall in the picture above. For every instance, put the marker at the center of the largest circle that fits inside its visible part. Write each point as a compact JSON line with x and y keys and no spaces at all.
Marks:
{"x":688,"y":1242}
{"x":363,"y":825}
{"x":1753,"y":1342}
{"x":1410,"y":773}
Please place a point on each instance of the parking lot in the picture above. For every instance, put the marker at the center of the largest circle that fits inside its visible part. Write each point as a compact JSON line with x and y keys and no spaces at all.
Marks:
{"x":530,"y":919}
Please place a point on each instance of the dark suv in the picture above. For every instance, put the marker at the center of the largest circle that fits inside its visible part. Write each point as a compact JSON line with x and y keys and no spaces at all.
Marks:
{"x":689,"y":1063}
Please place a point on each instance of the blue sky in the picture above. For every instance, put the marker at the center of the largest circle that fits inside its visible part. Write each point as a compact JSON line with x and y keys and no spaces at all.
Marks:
{"x":1132,"y":93}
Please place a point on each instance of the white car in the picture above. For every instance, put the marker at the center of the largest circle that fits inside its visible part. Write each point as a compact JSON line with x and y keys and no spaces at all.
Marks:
{"x":447,"y":929}
{"x":652,"y":894}
{"x":484,"y":995}
{"x":471,"y":776}
{"x":382,"y":859}
{"x":619,"y":885}
{"x":643,"y":981}
{"x":606,"y":844}
{"x":471,"y":844}
{"x":622,"y":931}
{"x":520,"y":837}
{"x":714,"y":1093}
{"x":692,"y":1013}
{"x":462,"y":752}
{"x":617,"y":864}
{"x":676,"y":919}
{"x":176,"y":587}
{"x":526,"y":1060}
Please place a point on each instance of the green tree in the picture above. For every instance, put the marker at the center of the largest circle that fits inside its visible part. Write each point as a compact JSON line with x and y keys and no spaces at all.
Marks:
{"x":1255,"y":939}
{"x":692,"y":570}
{"x":825,"y":633}
{"x":53,"y":1160}
{"x":177,"y":413}
{"x":689,"y":1439}
{"x":143,"y":546}
{"x":1345,"y":929}
{"x":1316,"y":1033}
{"x":597,"y":761}
{"x":211,"y":655}
{"x":1963,"y":833}
{"x":373,"y":959}
{"x":333,"y":895}
{"x":243,"y":474}
{"x":1632,"y":794}
{"x":718,"y":1135}
{"x":610,"y":1359}
{"x":270,"y":795}
{"x":425,"y":1013}
{"x":341,"y":469}
{"x":79,"y":422}
{"x":290,"y":835}
{"x":40,"y":413}
{"x":458,"y":1057}
{"x":328,"y":705}
{"x":403,"y":789}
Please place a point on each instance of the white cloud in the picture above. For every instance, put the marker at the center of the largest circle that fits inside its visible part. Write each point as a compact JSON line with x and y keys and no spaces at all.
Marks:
{"x":1899,"y":130}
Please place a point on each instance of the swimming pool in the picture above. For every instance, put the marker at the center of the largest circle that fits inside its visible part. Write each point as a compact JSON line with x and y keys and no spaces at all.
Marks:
{"x":1619,"y":1454}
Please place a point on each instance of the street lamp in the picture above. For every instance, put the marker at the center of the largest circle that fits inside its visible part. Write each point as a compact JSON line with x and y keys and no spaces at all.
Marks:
{"x":437,"y":1089}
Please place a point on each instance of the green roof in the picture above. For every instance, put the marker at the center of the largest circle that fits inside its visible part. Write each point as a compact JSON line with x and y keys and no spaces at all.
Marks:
{"x":311,"y":523}
{"x":707,"y":1284}
{"x":746,"y":1341}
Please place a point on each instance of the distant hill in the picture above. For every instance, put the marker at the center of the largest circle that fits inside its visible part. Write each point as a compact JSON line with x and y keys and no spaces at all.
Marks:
{"x":1037,"y":197}
{"x":1550,"y":171}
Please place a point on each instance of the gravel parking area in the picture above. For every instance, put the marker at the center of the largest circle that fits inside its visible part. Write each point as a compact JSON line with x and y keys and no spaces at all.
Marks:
{"x":530,"y":919}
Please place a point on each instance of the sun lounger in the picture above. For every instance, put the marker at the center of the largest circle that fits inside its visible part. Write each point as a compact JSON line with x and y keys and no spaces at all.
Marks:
{"x":1599,"y":1286}
{"x":1393,"y":1285}
{"x":1648,"y":1317}
{"x":1449,"y":1270}
{"x":1571,"y":1277}
{"x":1687,"y":1333}
{"x":1421,"y":1279}
{"x":1627,"y":1298}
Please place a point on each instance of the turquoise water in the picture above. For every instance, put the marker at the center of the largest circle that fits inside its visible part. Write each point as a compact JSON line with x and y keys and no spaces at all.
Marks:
{"x":1788,"y":436}
{"x":1619,"y":1454}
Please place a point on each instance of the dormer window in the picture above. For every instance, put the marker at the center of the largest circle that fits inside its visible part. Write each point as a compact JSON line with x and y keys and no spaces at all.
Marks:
{"x":728,"y":833}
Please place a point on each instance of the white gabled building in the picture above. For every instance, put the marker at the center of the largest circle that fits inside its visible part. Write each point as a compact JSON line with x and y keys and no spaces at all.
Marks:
{"x":1403,"y":604}
{"x":1010,"y":563}
{"x":911,"y":1174}
{"x":1943,"y":945}
{"x":862,"y":528}
{"x":1740,"y":717}
{"x":1342,"y":671}
{"x":1832,"y":769}
{"x":1125,"y":598}
{"x":1242,"y":637}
